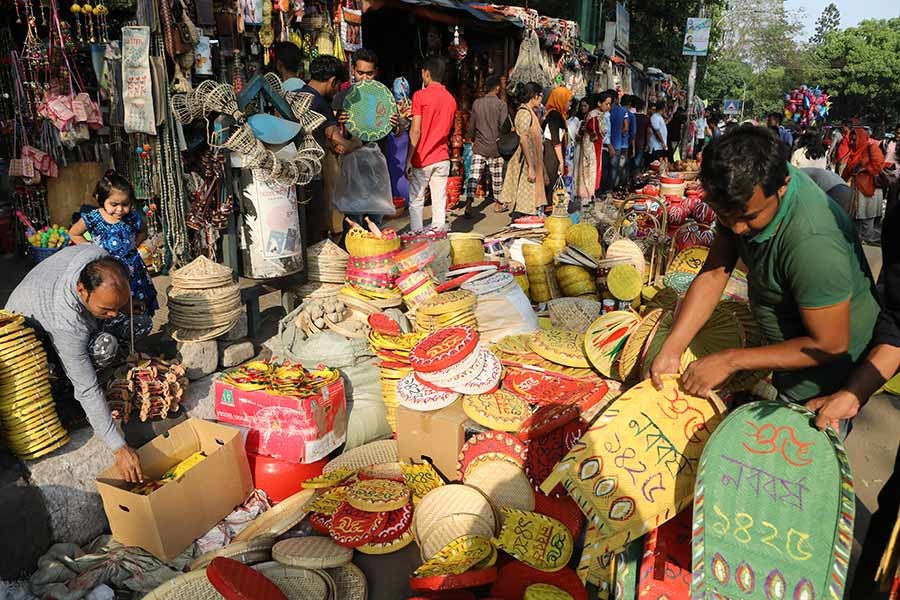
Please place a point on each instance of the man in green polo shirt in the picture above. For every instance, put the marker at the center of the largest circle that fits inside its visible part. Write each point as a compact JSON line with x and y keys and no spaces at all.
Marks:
{"x":809,"y":283}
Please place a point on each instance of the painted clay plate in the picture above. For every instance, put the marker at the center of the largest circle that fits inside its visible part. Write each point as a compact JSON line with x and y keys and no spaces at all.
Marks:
{"x":379,"y":548}
{"x":560,"y":346}
{"x":537,"y":540}
{"x":352,"y":527}
{"x":690,"y":260}
{"x":605,"y":338}
{"x":500,"y":410}
{"x":443,"y":349}
{"x":377,"y":495}
{"x":329,"y":501}
{"x":473,"y":268}
{"x":455,"y":282}
{"x":461,"y":371}
{"x":457,"y":557}
{"x":396,"y":523}
{"x":448,"y":302}
{"x":487,"y":380}
{"x":489,"y":285}
{"x":415,"y":395}
{"x":490,"y":443}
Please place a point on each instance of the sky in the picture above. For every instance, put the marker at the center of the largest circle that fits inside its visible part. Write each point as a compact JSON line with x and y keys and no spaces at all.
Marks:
{"x":852,"y":11}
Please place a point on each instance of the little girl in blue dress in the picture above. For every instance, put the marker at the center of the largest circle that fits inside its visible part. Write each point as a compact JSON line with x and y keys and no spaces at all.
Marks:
{"x":119,"y":229}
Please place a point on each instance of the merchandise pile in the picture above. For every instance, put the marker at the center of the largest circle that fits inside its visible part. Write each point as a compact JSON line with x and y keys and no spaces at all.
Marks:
{"x":28,"y":418}
{"x":371,"y":270}
{"x":204,"y":301}
{"x":149,"y":385}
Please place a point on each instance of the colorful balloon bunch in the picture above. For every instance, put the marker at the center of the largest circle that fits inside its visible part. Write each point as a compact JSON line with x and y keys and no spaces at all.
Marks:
{"x":806,"y":105}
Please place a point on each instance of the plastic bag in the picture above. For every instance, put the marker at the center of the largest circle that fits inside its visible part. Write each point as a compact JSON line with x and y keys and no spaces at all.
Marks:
{"x":364,"y":186}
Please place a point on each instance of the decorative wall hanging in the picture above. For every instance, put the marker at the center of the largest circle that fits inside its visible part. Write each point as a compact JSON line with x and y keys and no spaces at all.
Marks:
{"x":137,"y":92}
{"x":773,"y":508}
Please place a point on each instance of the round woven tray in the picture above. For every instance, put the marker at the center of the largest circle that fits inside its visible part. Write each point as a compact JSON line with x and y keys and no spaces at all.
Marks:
{"x":373,"y":453}
{"x":447,"y":500}
{"x":279,"y":519}
{"x":449,"y":528}
{"x":296,"y":583}
{"x":575,"y":314}
{"x":190,"y":586}
{"x":186,"y":334}
{"x":250,"y":553}
{"x":504,"y":482}
{"x":312,"y":552}
{"x":350,"y":582}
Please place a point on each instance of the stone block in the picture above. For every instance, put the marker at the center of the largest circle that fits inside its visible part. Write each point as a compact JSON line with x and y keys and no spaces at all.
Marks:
{"x":198,"y":358}
{"x":199,"y":400}
{"x":239,"y":331}
{"x":233,"y":354}
{"x":65,"y":480}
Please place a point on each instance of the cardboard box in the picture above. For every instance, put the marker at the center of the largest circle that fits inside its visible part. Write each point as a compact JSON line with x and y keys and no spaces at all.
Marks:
{"x":169,"y":519}
{"x":288,"y":428}
{"x":438,"y":435}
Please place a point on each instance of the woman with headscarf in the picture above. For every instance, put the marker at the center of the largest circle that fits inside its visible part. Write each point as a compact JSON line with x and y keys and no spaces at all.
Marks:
{"x":524,"y":187}
{"x":864,"y":162}
{"x":555,"y":134}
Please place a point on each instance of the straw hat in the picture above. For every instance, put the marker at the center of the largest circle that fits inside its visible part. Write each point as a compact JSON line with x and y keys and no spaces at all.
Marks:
{"x":203,"y":301}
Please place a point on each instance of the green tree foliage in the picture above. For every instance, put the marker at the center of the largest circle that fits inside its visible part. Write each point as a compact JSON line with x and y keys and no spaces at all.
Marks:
{"x":828,"y":21}
{"x":862,"y":70}
{"x":725,"y":78}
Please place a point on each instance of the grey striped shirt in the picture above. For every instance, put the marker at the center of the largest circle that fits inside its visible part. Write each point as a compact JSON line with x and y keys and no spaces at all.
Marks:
{"x":48,"y":295}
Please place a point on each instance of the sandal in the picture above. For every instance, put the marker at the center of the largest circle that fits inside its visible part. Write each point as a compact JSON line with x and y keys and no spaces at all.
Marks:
{"x":500,"y":208}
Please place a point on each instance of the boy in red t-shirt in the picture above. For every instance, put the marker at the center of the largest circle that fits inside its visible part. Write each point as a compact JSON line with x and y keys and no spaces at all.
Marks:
{"x":428,"y":158}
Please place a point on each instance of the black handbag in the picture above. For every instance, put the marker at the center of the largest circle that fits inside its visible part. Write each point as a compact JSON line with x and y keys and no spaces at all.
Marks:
{"x":508,"y":140}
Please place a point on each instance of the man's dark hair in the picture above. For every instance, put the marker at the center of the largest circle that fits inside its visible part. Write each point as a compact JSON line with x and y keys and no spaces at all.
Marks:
{"x":660,"y":105}
{"x":324,"y":67}
{"x":627,"y":101}
{"x":436,"y":67}
{"x":103,"y":270}
{"x":812,"y":142}
{"x":777,"y":116}
{"x":365,"y":55}
{"x":289,"y":55}
{"x":734,"y":164}
{"x":492,"y":82}
{"x":638,"y":103}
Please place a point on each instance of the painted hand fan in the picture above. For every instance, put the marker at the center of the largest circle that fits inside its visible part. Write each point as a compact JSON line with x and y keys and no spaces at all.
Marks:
{"x":369,"y":105}
{"x":773,"y":508}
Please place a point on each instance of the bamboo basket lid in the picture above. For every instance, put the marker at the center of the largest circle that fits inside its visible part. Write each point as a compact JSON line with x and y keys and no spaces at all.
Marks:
{"x":627,"y":249}
{"x":311,"y":552}
{"x":447,"y":500}
{"x":373,"y":453}
{"x":504,"y":482}
{"x":449,"y":528}
{"x":350,"y":582}
{"x":296,"y":583}
{"x":277,"y":520}
{"x":250,"y":552}
{"x":190,"y":586}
